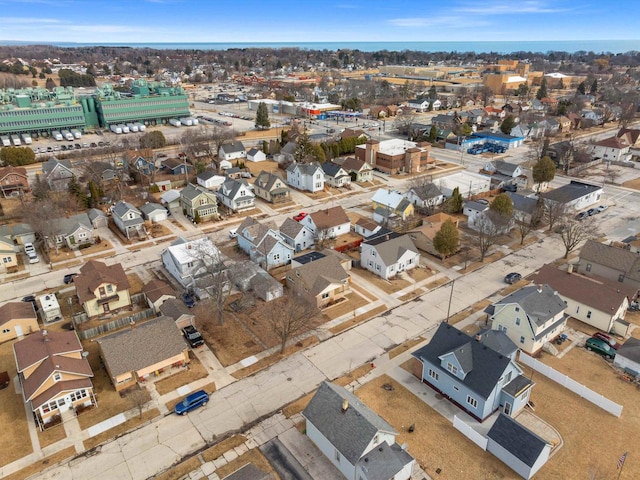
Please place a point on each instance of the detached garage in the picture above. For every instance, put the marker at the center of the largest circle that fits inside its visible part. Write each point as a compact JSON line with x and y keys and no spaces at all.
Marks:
{"x":154,"y":212}
{"x":628,"y":356}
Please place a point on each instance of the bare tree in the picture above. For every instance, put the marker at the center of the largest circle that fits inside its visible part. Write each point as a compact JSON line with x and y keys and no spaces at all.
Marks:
{"x":291,"y":316}
{"x":424,"y":188}
{"x":574,"y":232}
{"x":553,"y":212}
{"x":322,"y":238}
{"x":44,"y":217}
{"x":138,"y":398}
{"x":404,"y":122}
{"x":487,"y":230}
{"x":466,"y":255}
{"x":527,"y":223}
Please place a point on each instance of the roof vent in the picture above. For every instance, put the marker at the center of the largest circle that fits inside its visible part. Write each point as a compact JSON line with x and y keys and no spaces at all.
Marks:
{"x":345,"y":405}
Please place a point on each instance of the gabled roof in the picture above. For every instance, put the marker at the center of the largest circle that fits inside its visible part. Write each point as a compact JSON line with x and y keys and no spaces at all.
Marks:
{"x":619,"y":259}
{"x":391,"y":247}
{"x":333,"y":170}
{"x":384,"y":461}
{"x":613,"y":142}
{"x":308,"y":169}
{"x":121,"y":208}
{"x":149,"y":208}
{"x":206,"y":175}
{"x":68,"y":225}
{"x":522,"y":203}
{"x":630,"y":349}
{"x":426,"y":191}
{"x":49,"y":366}
{"x":290,"y":228}
{"x":352,"y":164}
{"x":521,"y":442}
{"x":570,"y":192}
{"x":94,"y":273}
{"x":253,"y":151}
{"x":232,"y":147}
{"x":16,"y":310}
{"x":498,"y":341}
{"x":540,"y":303}
{"x":267,"y":180}
{"x":156,"y":289}
{"x":11,"y":170}
{"x":389,"y":198}
{"x":191,"y":192}
{"x":53,"y":162}
{"x":505,"y":168}
{"x":231,"y":187}
{"x":488,"y":365}
{"x":40,"y":345}
{"x":319,"y":274}
{"x":350,"y":431}
{"x":122,"y":352}
{"x":255,"y":231}
{"x":329,"y":217}
{"x":599,"y":293}
{"x":174,"y":308}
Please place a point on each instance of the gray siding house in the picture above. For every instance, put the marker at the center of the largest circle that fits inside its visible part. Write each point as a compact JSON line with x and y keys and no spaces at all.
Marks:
{"x":128,"y":219}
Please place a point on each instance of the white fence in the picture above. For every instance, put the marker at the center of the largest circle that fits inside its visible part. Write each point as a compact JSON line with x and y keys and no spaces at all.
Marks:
{"x":567,"y":382}
{"x":470,"y":433}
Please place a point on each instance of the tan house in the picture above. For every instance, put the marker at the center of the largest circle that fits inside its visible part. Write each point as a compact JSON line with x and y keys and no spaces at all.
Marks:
{"x":324,"y":280}
{"x":271,"y":187}
{"x":157,"y":292}
{"x":143,"y":352}
{"x":54,"y":373}
{"x":102,"y":289}
{"x":423,"y":236}
{"x":16,"y":320}
{"x":8,"y":255}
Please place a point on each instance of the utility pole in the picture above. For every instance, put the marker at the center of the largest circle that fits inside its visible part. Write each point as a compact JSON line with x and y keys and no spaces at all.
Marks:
{"x":453,"y":282}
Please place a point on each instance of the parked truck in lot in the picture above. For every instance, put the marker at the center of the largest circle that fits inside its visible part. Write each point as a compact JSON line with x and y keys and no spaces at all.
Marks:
{"x":175,"y":122}
{"x":67,"y":135}
{"x":115,"y":129}
{"x":15,"y":139}
{"x":124,"y":128}
{"x":141,"y":127}
{"x":57,"y":136}
{"x":6,"y":141}
{"x":132,"y":127}
{"x":26,"y":138}
{"x":76,"y":133}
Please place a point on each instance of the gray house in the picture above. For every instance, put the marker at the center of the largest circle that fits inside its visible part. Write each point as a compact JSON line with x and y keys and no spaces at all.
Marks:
{"x":57,"y":173}
{"x":613,"y":263}
{"x":128,"y":219}
{"x":74,"y":231}
{"x":154,"y":212}
{"x":358,"y":442}
{"x":471,"y":375}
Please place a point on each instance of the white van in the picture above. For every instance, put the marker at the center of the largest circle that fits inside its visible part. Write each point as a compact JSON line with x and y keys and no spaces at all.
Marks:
{"x":30,"y":250}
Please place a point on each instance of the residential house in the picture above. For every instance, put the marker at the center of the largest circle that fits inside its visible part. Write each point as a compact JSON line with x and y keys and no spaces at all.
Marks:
{"x":141,"y":161}
{"x":366,"y":227}
{"x":505,"y":173}
{"x":154,"y":212}
{"x":631,"y":136}
{"x":593,"y":115}
{"x":57,"y":174}
{"x":524,"y":208}
{"x":231,"y":151}
{"x":178,"y":311}
{"x":98,"y":218}
{"x":628,"y":356}
{"x":171,"y":199}
{"x":247,"y":276}
{"x":390,"y":204}
{"x":297,"y":235}
{"x":420,"y":105}
{"x":192,"y":262}
{"x":530,"y":317}
{"x":306,"y":176}
{"x":271,"y":187}
{"x":236,"y":195}
{"x":102,"y":289}
{"x":565,"y":123}
{"x":13,"y":181}
{"x":356,"y":440}
{"x":16,"y":320}
{"x":323,"y":281}
{"x":422,"y":236}
{"x":176,"y":166}
{"x":75,"y":231}
{"x":612,"y":149}
{"x":157,"y":292}
{"x":197,"y":201}
{"x":335,"y":176}
{"x":388,"y":253}
{"x":445,"y":121}
{"x":469,"y":374}
{"x":128,"y":219}
{"x":425,"y":197}
{"x":575,"y":195}
{"x":54,"y":374}
{"x":286,"y":154}
{"x":210,"y":180}
{"x":264,"y":245}
{"x":163,"y":185}
{"x":8,"y":254}
{"x":396,"y":155}
{"x":256,"y":155}
{"x":328,"y":223}
{"x":359,"y":170}
{"x":498,"y":341}
{"x":518,"y":447}
{"x":235,"y":173}
{"x":357,"y":133}
{"x":18,"y":233}
{"x":593,"y":300}
{"x":474,"y":211}
{"x":610,"y":262}
{"x":127,"y":363}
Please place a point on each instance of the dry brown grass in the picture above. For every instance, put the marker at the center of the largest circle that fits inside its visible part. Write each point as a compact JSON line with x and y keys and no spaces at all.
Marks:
{"x":353,"y":375}
{"x":358,"y":319}
{"x":411,"y":295}
{"x":230,"y":342}
{"x":252,"y":456}
{"x":159,"y":230}
{"x":177,"y":224}
{"x":51,"y":435}
{"x":135,"y":283}
{"x":14,"y":441}
{"x":122,"y":428}
{"x":352,"y":302}
{"x":275,"y":358}
{"x":363,"y":292}
{"x":43,"y":464}
{"x":388,"y":286}
{"x":419,"y":274}
{"x":195,"y":372}
{"x":225,"y":445}
{"x":436,"y":283}
{"x":102,"y":246}
{"x":209,"y":388}
{"x":434,"y":442}
{"x":400,"y":349}
{"x":298,"y":405}
{"x":179,"y":470}
{"x":634,"y":184}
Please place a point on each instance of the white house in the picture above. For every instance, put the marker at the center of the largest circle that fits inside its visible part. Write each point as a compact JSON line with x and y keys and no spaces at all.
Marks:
{"x":612,"y":149}
{"x":628,"y":356}
{"x":426,"y":196}
{"x":358,"y":442}
{"x":473,"y":211}
{"x":255,"y":155}
{"x":296,"y":234}
{"x":128,"y":219}
{"x":329,"y":223}
{"x":306,"y":176}
{"x":335,"y":176}
{"x":575,"y":195}
{"x":154,"y":212}
{"x":387,"y":253}
{"x":418,"y":104}
{"x":236,"y":195}
{"x":210,"y":180}
{"x":188,"y":260}
{"x":231,"y":151}
{"x":263,"y":243}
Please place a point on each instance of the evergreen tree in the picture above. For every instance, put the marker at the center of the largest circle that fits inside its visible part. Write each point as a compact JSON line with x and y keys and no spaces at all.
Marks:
{"x":262,"y":117}
{"x":433,"y":134}
{"x":454,"y":202}
{"x":508,"y":124}
{"x":542,"y":91}
{"x":543,"y":171}
{"x":582,"y":89}
{"x":446,"y":239}
{"x":503,"y":205}
{"x":594,"y":87}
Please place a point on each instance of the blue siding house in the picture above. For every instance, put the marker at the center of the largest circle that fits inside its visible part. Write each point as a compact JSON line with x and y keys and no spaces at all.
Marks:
{"x":472,"y":375}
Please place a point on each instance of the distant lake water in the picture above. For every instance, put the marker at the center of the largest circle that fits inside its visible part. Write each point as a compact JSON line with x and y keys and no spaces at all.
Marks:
{"x":596,"y":46}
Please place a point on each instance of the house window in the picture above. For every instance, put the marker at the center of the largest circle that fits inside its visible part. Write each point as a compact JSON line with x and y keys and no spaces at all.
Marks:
{"x":621,"y":278}
{"x":589,"y":314}
{"x":456,"y":388}
{"x":588,"y":267}
{"x":373,"y":253}
{"x":337,"y":456}
{"x":378,"y":267}
{"x":472,"y":401}
{"x":102,"y":291}
{"x":57,"y":377}
{"x":6,"y":330}
{"x":577,"y":308}
{"x":517,"y":320}
{"x":109,"y":288}
{"x":325,"y":295}
{"x":433,"y":374}
{"x":452,"y":368}
{"x":517,"y":309}
{"x":370,"y":263}
{"x":276,"y":256}
{"x":521,"y":339}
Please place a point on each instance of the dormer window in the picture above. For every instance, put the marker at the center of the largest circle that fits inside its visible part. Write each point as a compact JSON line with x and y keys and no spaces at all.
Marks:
{"x":57,"y":377}
{"x":452,"y":368}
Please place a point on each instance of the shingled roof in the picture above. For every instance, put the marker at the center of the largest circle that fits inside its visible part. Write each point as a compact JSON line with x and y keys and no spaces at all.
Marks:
{"x":540,"y":303}
{"x":522,"y":443}
{"x":620,"y":259}
{"x":94,"y":273}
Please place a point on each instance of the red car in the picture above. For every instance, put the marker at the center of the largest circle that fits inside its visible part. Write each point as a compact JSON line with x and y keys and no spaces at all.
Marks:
{"x":300,"y":216}
{"x":606,"y":338}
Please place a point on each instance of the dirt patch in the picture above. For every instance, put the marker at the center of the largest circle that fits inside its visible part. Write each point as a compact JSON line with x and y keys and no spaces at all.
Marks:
{"x":122,"y":428}
{"x":419,"y":274}
{"x":434,"y":443}
{"x":634,"y":184}
{"x":177,"y":224}
{"x":195,"y":372}
{"x":252,"y":456}
{"x":43,"y":464}
{"x":135,"y":283}
{"x":388,"y":286}
{"x":102,"y":246}
{"x":358,"y":319}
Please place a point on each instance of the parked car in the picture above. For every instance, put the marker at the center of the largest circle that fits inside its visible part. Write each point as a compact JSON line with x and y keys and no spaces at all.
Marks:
{"x":300,"y":216}
{"x":29,"y":298}
{"x":600,"y":347}
{"x":582,"y":215}
{"x":30,"y":250}
{"x":233,"y":233}
{"x":602,"y":208}
{"x":193,"y":336}
{"x":192,"y":401}
{"x":606,"y":338}
{"x":592,"y":211}
{"x":189,"y":299}
{"x":512,"y":278}
{"x":510,"y":188}
{"x":68,"y":278}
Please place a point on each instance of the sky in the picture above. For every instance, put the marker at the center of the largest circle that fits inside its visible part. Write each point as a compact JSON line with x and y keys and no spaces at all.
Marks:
{"x":171,"y":21}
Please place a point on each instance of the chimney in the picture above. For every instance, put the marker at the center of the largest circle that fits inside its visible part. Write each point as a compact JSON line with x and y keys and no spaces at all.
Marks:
{"x":539,"y":288}
{"x":345,"y":405}
{"x":570,"y":268}
{"x":386,"y":237}
{"x":478,"y":337}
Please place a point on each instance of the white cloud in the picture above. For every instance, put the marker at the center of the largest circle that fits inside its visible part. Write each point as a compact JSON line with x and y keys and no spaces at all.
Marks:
{"x":510,"y":8}
{"x":8,"y":21}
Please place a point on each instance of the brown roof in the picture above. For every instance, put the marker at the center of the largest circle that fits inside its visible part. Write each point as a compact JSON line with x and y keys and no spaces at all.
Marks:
{"x":58,"y":387}
{"x":94,"y":273}
{"x":51,"y":365}
{"x":330,"y":217}
{"x":613,"y":142}
{"x":145,"y":153}
{"x":596,"y":292}
{"x":39,"y":345}
{"x":367,"y":223}
{"x":319,"y":274}
{"x":352,"y":164}
{"x":4,"y":171}
{"x":16,"y":310}
{"x":122,"y":352}
{"x":156,"y":289}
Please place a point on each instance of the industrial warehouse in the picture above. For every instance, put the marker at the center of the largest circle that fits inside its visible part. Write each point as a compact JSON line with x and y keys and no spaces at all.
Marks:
{"x":37,"y":111}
